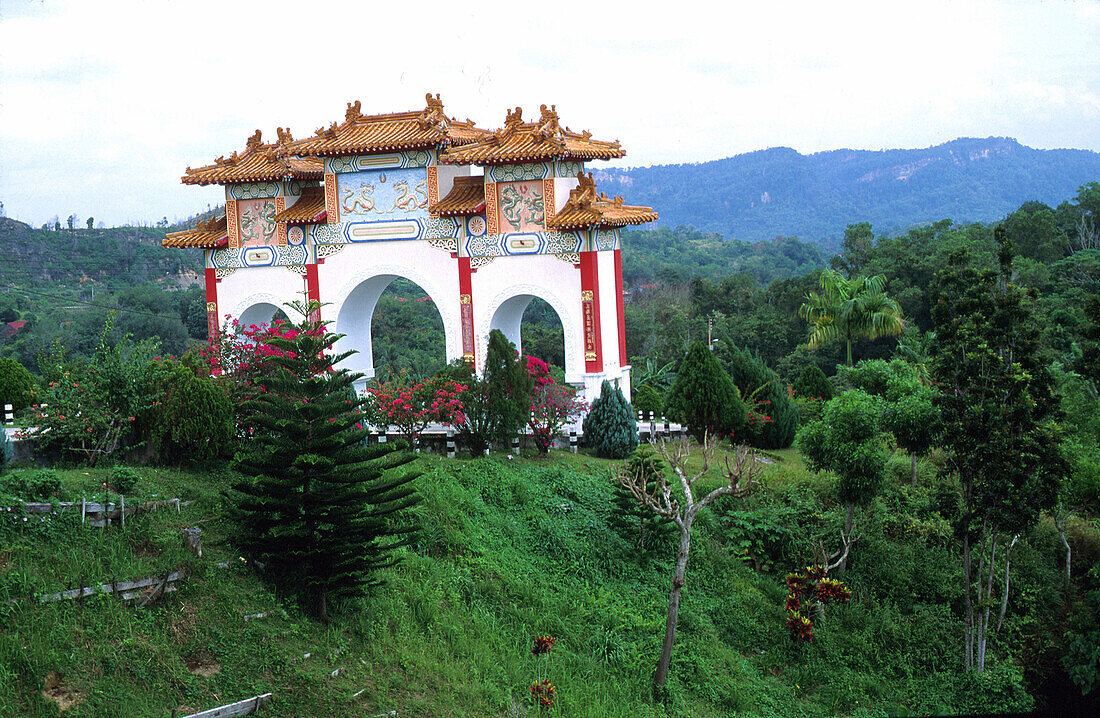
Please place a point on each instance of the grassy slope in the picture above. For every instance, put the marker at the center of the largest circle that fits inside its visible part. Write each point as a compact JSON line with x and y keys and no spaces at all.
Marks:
{"x":510,"y":550}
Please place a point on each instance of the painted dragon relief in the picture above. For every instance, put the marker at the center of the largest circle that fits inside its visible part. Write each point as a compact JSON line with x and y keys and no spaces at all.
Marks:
{"x":257,"y":222}
{"x":522,"y":206}
{"x":398,"y":197}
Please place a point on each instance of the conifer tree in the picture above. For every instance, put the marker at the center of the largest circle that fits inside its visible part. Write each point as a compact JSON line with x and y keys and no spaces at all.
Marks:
{"x":703,"y":397}
{"x":765,"y":395}
{"x":508,"y":388}
{"x":813,"y":383}
{"x":320,"y":510}
{"x":610,"y":427}
{"x":634,"y":522}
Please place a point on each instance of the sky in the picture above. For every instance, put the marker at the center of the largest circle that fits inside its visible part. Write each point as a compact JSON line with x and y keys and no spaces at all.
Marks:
{"x":104,"y":104}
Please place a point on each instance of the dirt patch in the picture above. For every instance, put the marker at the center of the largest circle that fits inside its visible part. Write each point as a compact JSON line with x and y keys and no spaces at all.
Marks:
{"x":145,"y":549}
{"x":60,"y":692}
{"x":202,"y":663}
{"x":183,"y":624}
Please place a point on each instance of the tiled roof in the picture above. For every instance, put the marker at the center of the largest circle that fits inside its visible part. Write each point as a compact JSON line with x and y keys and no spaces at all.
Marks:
{"x":206,"y":234}
{"x":465,"y":198}
{"x":585,"y":208}
{"x":364,"y":134}
{"x":538,"y":141}
{"x":309,"y":208}
{"x":259,"y":163}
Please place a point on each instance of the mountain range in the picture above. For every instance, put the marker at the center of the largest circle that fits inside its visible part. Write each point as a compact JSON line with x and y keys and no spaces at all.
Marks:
{"x":780,"y":192}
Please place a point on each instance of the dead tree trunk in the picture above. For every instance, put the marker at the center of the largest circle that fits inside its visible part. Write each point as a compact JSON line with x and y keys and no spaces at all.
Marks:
{"x":682,"y":509}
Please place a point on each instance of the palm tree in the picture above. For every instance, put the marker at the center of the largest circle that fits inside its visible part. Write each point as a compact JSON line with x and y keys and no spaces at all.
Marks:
{"x":855,"y":308}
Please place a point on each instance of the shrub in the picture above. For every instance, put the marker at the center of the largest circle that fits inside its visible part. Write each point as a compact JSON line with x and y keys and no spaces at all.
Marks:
{"x":553,"y":405}
{"x":40,"y":485}
{"x":610,"y":427}
{"x":637,"y":525}
{"x":704,"y":397}
{"x":508,"y":388}
{"x":123,"y":478}
{"x":647,"y":400}
{"x":412,"y":406}
{"x":192,"y":417}
{"x":772,"y":420}
{"x":16,"y":384}
{"x":812,"y":383}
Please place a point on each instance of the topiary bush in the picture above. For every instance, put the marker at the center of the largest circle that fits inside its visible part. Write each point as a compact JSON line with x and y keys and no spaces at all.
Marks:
{"x":812,"y":383}
{"x":192,"y":417}
{"x":703,"y":397}
{"x":16,"y":384}
{"x":610,"y":427}
{"x":124,"y":479}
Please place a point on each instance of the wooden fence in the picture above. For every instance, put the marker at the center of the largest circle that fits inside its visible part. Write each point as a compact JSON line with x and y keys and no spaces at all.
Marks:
{"x":96,"y":513}
{"x":241,"y":708}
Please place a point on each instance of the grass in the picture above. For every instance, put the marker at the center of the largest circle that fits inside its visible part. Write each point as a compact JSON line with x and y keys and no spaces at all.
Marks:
{"x":509,"y":549}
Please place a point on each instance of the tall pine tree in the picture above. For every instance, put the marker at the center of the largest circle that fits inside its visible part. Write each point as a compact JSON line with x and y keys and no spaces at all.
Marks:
{"x":704,"y":397}
{"x":323,"y":511}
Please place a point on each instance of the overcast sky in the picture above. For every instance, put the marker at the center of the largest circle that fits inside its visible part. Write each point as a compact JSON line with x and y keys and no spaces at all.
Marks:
{"x":103,"y":104}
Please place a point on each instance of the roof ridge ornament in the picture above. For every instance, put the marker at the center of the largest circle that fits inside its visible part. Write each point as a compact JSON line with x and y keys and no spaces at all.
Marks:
{"x":353,"y":111}
{"x":285,"y":138}
{"x":254,"y":142}
{"x":432,"y":115}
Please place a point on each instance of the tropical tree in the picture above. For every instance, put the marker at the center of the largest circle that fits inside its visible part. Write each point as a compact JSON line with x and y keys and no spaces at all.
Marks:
{"x":1000,"y":435}
{"x":322,"y":510}
{"x":850,"y":309}
{"x":849,"y":442}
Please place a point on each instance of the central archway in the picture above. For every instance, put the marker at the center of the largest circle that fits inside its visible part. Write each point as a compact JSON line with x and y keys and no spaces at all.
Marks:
{"x":356,"y":316}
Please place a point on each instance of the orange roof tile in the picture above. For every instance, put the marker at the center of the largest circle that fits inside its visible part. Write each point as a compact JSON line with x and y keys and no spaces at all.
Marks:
{"x":259,"y":163}
{"x":585,"y":208}
{"x":465,"y":198}
{"x":538,"y":141}
{"x":206,"y":234}
{"x":364,"y":134}
{"x":309,"y":208}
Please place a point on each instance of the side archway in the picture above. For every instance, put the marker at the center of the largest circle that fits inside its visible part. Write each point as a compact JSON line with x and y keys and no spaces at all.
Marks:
{"x":505,"y":312}
{"x":258,"y":309}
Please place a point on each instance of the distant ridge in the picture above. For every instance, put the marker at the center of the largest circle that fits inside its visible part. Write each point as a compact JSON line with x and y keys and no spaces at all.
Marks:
{"x":780,"y":192}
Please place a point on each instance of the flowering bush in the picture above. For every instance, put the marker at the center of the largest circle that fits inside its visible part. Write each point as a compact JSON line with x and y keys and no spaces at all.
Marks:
{"x":808,"y":591}
{"x":553,"y":405}
{"x":92,"y":405}
{"x":411,"y":407}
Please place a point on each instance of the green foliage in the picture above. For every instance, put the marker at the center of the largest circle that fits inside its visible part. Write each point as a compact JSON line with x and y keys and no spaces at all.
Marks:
{"x":915,"y":423}
{"x":998,"y":403}
{"x":124,"y":479}
{"x":890,"y":380}
{"x":704,"y":397}
{"x":813,"y":383}
{"x":33,"y":485}
{"x":644,"y":531}
{"x":646,"y":400}
{"x":16,"y":384}
{"x":508,"y":388}
{"x":92,"y":405}
{"x":848,"y":442}
{"x":324,"y":512}
{"x":850,"y":309}
{"x":192,"y":417}
{"x":772,"y":417}
{"x":610,"y":427}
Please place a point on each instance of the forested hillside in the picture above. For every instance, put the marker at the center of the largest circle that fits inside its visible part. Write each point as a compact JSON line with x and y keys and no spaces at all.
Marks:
{"x":779,"y":192}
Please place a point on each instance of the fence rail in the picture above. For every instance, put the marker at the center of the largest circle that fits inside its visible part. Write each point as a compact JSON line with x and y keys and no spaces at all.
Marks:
{"x":96,"y":513}
{"x":240,"y":708}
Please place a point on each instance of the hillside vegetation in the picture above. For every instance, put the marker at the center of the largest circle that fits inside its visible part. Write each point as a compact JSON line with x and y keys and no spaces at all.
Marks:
{"x":509,"y":550}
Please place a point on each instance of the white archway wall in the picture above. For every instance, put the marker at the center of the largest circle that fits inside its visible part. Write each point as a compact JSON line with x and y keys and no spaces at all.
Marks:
{"x":251,"y":286}
{"x":508,"y":318}
{"x":546,"y":277}
{"x":361,"y":272}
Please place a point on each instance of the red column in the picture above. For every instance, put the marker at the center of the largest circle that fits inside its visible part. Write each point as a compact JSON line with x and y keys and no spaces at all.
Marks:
{"x":590,"y":307}
{"x":466,"y":308}
{"x":619,"y":305}
{"x":211,"y":280}
{"x":313,"y":290}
